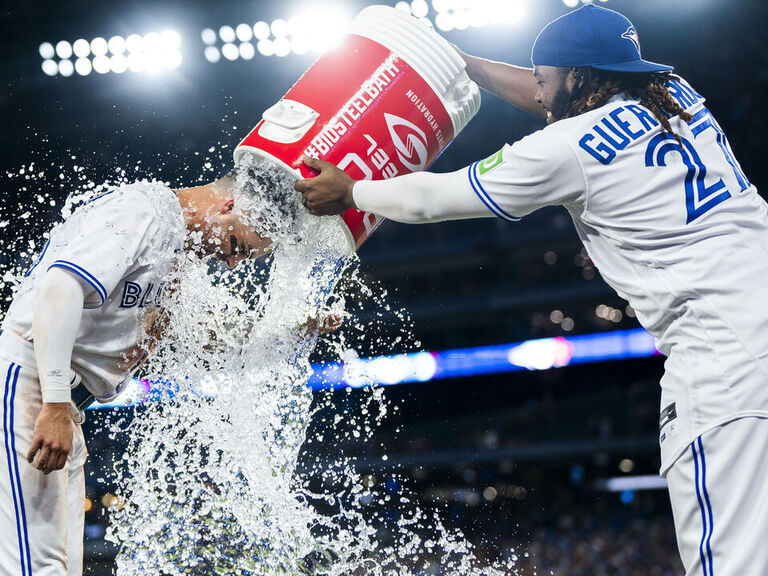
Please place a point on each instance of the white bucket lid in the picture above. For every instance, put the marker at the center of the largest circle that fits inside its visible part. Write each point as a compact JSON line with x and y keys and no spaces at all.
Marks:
{"x":428,"y":53}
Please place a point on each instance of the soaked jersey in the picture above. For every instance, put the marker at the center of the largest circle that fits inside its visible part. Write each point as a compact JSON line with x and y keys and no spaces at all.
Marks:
{"x":121,"y":247}
{"x":675,"y":228}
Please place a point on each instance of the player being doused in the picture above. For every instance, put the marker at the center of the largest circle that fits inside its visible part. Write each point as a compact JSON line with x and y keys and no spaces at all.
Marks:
{"x":86,"y":316}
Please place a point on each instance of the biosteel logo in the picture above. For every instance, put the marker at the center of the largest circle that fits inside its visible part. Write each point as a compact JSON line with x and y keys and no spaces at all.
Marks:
{"x":410,"y":142}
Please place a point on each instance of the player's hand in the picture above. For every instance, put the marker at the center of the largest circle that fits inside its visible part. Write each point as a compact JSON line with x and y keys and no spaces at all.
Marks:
{"x":330,"y":192}
{"x":52,"y":437}
{"x":325,"y":325}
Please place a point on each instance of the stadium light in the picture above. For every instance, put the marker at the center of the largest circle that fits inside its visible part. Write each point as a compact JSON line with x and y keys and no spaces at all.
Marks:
{"x":247,"y":51}
{"x":116,"y":45}
{"x":244,"y":32}
{"x":212,"y":54}
{"x":83,"y":66}
{"x":47,"y":51}
{"x":81,"y":48}
{"x":208,"y":36}
{"x":313,"y":29}
{"x":66,"y":68}
{"x":50,"y":68}
{"x":462,"y":14}
{"x":63,"y":49}
{"x":261,"y":30}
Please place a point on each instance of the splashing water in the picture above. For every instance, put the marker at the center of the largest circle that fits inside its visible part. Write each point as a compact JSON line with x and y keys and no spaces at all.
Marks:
{"x":217,"y":477}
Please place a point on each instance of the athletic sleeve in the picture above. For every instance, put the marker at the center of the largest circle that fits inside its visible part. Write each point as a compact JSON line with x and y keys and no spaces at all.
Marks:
{"x":539,"y":170}
{"x":420,"y":197}
{"x":103,"y":241}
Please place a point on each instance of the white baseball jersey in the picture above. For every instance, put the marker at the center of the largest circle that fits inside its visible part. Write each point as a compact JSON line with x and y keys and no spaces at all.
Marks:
{"x":676,"y":229}
{"x":121,"y":246}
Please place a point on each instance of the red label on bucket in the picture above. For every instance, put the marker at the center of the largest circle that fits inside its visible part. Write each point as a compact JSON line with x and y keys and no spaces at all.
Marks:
{"x":376,"y":118}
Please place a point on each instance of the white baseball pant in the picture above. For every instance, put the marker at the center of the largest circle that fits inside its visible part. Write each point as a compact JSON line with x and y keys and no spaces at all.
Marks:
{"x":41,"y":516}
{"x":719,"y":494}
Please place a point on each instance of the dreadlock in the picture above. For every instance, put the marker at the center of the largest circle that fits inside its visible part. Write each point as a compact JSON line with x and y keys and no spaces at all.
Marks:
{"x":593,"y":88}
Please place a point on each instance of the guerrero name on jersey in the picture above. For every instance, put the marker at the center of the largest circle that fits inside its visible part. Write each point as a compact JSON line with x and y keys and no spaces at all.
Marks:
{"x":662,"y":220}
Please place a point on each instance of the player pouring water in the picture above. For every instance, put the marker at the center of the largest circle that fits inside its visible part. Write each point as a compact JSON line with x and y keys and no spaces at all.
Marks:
{"x":673,"y":224}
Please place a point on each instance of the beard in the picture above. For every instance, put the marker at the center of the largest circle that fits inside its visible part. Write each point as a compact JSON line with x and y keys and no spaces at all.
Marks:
{"x":561,"y":101}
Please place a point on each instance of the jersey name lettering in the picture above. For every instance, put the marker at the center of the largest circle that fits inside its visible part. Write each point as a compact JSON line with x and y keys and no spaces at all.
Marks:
{"x":622,"y":126}
{"x":134,"y":294}
{"x":686,"y":96}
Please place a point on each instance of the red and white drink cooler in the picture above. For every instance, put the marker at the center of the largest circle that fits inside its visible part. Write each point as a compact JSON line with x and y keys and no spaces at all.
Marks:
{"x":386,"y":102}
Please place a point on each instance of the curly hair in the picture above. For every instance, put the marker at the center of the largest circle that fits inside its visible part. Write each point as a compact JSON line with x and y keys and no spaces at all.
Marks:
{"x":593,"y":88}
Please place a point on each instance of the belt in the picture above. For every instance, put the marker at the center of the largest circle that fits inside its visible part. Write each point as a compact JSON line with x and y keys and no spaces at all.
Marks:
{"x":81,"y":396}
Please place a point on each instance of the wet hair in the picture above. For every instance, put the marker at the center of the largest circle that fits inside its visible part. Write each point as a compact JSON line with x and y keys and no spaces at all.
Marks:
{"x":594,"y":87}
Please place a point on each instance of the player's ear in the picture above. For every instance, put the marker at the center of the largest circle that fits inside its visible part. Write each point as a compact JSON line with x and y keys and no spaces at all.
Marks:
{"x":226,"y":205}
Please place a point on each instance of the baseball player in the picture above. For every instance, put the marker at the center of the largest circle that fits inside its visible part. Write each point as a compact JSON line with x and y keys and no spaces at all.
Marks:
{"x":82,"y":321}
{"x":673,"y":224}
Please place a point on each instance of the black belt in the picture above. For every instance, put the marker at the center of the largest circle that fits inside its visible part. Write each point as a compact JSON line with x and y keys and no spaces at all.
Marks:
{"x":82,"y":397}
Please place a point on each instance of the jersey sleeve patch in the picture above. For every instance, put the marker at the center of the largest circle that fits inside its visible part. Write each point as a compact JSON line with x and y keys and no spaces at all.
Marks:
{"x":494,"y":160}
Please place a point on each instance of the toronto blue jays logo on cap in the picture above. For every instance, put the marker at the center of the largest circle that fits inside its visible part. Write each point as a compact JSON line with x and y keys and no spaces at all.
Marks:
{"x":632,"y":36}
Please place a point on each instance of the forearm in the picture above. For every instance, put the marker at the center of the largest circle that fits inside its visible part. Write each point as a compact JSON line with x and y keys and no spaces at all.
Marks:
{"x":420,"y":197}
{"x":57,"y":317}
{"x":514,"y":84}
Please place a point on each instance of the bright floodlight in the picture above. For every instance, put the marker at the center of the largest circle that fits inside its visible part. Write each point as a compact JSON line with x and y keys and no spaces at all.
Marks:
{"x":261,"y":30}
{"x":118,"y":63}
{"x":299,"y":46}
{"x":419,"y":8}
{"x":135,"y":62}
{"x":63,"y":49}
{"x":81,"y":48}
{"x":279,"y":28}
{"x":171,"y":59}
{"x":66,"y":68}
{"x":404,"y":6}
{"x":511,"y":11}
{"x":151,"y":42}
{"x":101,"y":64}
{"x":478,"y":18}
{"x":571,"y":3}
{"x":244,"y":32}
{"x":83,"y":66}
{"x":134,"y":43}
{"x":282,"y":47}
{"x":227,"y":34}
{"x":47,"y":51}
{"x":441,"y":5}
{"x":116,"y":45}
{"x":49,"y":67}
{"x":99,"y":46}
{"x":230,"y":51}
{"x":212,"y":54}
{"x":247,"y":51}
{"x":171,"y":39}
{"x":265,"y":47}
{"x":208,"y":36}
{"x":444,"y":21}
{"x":321,"y":28}
{"x":461,"y":20}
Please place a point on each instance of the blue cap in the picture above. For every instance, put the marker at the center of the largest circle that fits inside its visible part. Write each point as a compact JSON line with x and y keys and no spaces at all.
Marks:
{"x":592,"y":36}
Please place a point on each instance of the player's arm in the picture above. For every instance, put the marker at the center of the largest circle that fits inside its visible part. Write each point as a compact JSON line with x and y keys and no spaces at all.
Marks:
{"x":514,"y":84}
{"x":58,"y":313}
{"x":413,"y":198}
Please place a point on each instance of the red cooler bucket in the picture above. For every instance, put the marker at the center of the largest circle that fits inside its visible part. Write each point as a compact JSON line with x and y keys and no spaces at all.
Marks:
{"x":385,"y":103}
